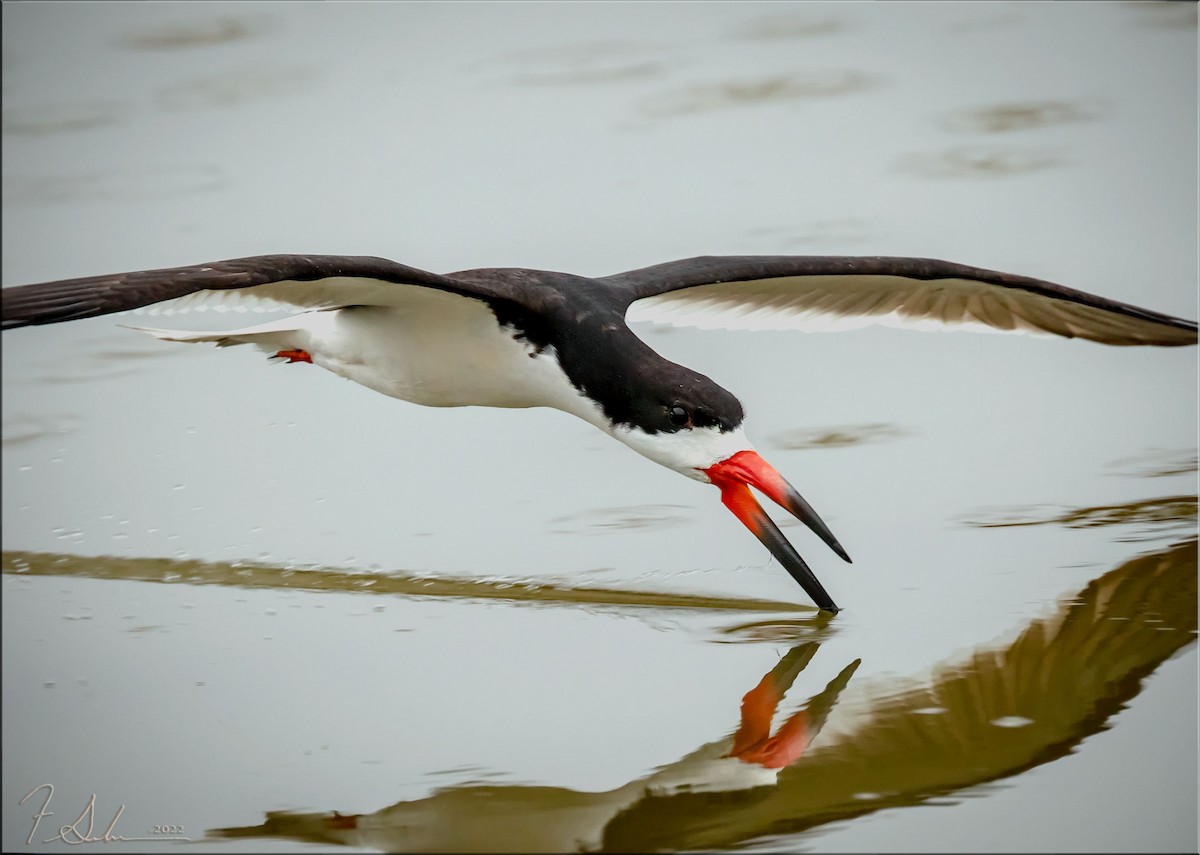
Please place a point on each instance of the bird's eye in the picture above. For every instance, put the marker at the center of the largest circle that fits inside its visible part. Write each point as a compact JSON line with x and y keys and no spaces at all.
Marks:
{"x":679,"y":417}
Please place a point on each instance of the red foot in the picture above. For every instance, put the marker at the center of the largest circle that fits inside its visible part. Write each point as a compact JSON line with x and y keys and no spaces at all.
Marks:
{"x":294,"y":356}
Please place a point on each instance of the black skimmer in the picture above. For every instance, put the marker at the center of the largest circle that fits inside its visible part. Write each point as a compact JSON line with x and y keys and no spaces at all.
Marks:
{"x":533,"y":338}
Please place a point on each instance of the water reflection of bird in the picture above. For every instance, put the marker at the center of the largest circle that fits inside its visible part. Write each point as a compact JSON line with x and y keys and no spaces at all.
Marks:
{"x":489,"y":818}
{"x":883,"y":744}
{"x":527,"y":338}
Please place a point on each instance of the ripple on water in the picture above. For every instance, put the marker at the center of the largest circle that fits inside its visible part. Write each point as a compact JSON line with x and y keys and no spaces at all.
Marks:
{"x":1165,"y":15}
{"x":791,"y":25}
{"x":196,"y":33}
{"x":630,"y":518}
{"x":777,"y":631}
{"x":1157,"y":463}
{"x":775,"y":89}
{"x":20,"y":429}
{"x":232,"y":87}
{"x":1021,"y":116}
{"x":1151,"y":517}
{"x":981,"y":161}
{"x":583,"y":64}
{"x":42,"y":119}
{"x":836,"y":436}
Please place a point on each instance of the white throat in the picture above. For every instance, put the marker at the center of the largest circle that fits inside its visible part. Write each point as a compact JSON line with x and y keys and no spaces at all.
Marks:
{"x":687,"y":451}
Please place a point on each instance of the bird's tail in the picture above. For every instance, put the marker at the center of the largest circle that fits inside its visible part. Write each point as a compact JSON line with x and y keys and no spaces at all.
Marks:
{"x":270,"y":337}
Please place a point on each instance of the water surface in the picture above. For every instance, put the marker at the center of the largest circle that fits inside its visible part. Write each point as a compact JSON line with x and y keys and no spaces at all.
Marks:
{"x":263,"y":608}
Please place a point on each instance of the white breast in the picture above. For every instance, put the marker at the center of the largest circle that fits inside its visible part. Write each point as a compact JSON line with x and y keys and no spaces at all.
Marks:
{"x":435,"y":348}
{"x":455,"y":356}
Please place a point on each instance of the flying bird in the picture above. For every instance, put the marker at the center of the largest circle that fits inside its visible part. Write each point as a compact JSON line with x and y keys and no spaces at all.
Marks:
{"x":512,"y":337}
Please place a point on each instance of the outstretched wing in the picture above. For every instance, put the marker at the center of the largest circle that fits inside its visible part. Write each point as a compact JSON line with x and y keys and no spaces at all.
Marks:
{"x":305,"y":282}
{"x":819,"y":293}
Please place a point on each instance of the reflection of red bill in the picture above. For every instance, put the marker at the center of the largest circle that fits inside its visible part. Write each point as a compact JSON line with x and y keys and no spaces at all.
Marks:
{"x":753,"y":742}
{"x":734,"y":476}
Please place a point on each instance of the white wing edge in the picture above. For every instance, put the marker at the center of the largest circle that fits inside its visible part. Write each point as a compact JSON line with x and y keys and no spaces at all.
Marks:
{"x":828,"y":304}
{"x":291,"y":296}
{"x":844,"y":302}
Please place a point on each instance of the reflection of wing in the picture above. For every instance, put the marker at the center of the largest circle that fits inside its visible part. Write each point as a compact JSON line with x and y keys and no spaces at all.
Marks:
{"x":1001,"y":712}
{"x":817,"y":293}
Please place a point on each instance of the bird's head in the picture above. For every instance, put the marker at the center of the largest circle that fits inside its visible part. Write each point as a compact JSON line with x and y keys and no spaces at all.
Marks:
{"x":694,"y":426}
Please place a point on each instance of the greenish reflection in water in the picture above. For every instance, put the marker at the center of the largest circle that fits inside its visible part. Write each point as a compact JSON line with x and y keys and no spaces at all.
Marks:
{"x":802,"y":439}
{"x":1022,"y":116}
{"x":1158,"y":463}
{"x":248,"y":575}
{"x":780,"y":88}
{"x":1003,"y":710}
{"x":1151,"y":517}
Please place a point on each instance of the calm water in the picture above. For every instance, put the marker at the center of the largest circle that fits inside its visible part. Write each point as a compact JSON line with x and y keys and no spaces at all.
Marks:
{"x":265,"y":609}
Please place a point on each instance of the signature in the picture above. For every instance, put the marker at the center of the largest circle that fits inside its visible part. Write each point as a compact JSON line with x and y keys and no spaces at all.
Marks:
{"x":81,"y":830}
